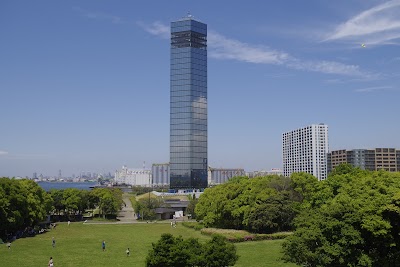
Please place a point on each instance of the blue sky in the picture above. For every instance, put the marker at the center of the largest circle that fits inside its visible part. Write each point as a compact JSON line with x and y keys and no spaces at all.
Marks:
{"x":84,"y":85}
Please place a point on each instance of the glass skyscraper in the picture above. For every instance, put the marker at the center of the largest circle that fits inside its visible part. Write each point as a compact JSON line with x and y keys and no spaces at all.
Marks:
{"x":188,"y":114}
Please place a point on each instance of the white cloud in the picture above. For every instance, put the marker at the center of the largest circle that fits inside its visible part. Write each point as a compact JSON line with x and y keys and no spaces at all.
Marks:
{"x":2,"y":152}
{"x":372,"y":89}
{"x":279,"y":75}
{"x":156,"y":28}
{"x":377,"y":25}
{"x":329,"y":67}
{"x":221,"y":47}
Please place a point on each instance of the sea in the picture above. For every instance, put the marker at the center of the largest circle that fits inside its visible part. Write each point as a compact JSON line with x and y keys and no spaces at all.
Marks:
{"x":63,"y":185}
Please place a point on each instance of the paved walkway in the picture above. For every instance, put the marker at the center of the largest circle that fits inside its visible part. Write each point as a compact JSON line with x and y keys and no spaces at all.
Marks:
{"x":127,"y":214}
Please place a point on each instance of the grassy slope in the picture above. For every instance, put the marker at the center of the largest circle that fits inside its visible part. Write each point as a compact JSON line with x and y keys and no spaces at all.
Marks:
{"x":80,"y":245}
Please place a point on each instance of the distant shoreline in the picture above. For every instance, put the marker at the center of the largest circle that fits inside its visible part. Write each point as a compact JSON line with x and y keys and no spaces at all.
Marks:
{"x":48,"y":185}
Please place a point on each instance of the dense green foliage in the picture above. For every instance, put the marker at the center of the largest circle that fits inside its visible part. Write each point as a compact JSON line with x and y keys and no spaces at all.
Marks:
{"x":172,"y":251}
{"x":23,"y":204}
{"x":145,"y":207}
{"x":263,"y":204}
{"x":350,"y":219}
{"x":190,"y":210}
{"x":71,"y":202}
{"x":108,"y":200}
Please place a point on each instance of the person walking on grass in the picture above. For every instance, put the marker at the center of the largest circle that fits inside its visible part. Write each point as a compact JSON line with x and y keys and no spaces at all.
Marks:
{"x":9,"y":245}
{"x":103,"y":245}
{"x":51,"y":264}
{"x":53,"y":242}
{"x":128,"y":252}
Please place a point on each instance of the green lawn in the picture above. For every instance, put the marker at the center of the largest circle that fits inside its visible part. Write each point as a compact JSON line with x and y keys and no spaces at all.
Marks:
{"x":80,"y":245}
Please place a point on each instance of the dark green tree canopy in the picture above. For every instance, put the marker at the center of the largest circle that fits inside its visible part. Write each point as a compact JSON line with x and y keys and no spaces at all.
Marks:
{"x":172,"y":251}
{"x":23,"y":203}
{"x":351,"y":219}
{"x":263,"y":204}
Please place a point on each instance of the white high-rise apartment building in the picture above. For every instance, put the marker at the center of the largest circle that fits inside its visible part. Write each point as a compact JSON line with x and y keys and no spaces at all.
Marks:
{"x":306,"y":150}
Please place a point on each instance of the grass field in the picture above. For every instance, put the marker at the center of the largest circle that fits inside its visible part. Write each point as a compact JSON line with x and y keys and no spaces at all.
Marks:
{"x":80,"y":245}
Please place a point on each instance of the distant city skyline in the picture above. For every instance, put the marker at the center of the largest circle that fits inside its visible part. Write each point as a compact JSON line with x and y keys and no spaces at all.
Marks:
{"x":85,"y":85}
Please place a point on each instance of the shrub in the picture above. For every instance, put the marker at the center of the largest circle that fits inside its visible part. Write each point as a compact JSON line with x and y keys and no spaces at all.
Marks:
{"x":172,"y":251}
{"x":235,"y":236}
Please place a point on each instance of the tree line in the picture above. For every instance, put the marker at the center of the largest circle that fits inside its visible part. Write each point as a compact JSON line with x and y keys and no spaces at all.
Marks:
{"x":71,"y":201}
{"x":260,"y":205}
{"x":24,"y":204}
{"x":350,"y":219}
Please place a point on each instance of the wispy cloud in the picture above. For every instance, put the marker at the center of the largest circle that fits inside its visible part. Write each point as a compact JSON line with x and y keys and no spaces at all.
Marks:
{"x":329,"y":67}
{"x":99,"y":16}
{"x":373,"y":89}
{"x":221,"y":47}
{"x":2,"y":152}
{"x":279,"y":75}
{"x":156,"y":28}
{"x":375,"y":26}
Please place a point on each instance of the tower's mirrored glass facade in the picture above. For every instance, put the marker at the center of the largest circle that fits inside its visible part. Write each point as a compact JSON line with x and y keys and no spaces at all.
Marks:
{"x":188,"y":114}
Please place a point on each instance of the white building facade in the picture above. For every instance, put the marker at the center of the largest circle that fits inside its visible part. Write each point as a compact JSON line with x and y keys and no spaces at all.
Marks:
{"x":134,"y":177}
{"x":220,"y":176}
{"x":306,"y":150}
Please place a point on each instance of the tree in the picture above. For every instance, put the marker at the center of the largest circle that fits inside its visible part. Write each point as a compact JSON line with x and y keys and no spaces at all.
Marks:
{"x":71,"y":200}
{"x":356,"y":226}
{"x":262,"y":204}
{"x":272,"y":215}
{"x":23,"y":204}
{"x":57,"y":196}
{"x":13,"y":206}
{"x":145,"y":207}
{"x":217,"y":252}
{"x":163,"y":252}
{"x":39,"y":203}
{"x":109,"y":200}
{"x":172,"y":251}
{"x":191,"y":206}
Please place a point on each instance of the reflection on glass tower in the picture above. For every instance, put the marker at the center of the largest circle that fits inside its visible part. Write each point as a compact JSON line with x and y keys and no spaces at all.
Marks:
{"x":188,"y":114}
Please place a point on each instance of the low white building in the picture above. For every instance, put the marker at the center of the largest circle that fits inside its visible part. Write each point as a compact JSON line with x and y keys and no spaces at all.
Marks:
{"x":220,"y":175}
{"x":134,"y":177}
